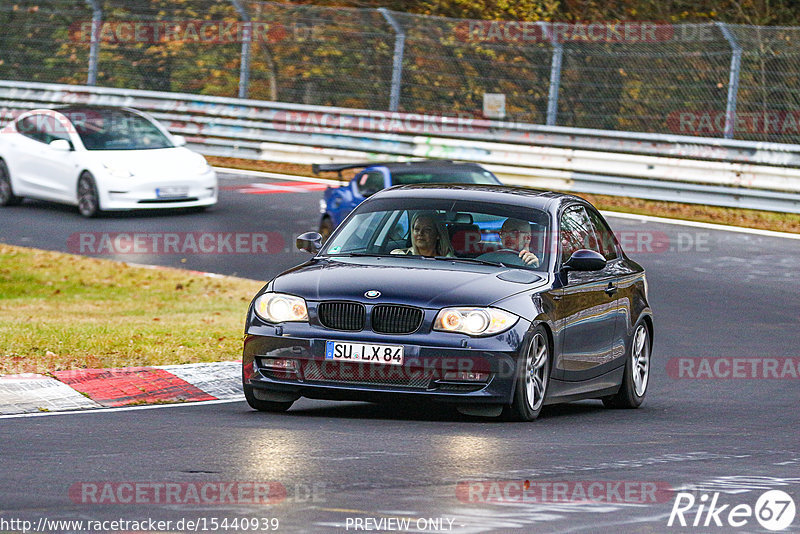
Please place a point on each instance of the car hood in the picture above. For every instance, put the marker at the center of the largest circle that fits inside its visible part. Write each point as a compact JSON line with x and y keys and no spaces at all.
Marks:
{"x":176,"y":161}
{"x":417,"y":282}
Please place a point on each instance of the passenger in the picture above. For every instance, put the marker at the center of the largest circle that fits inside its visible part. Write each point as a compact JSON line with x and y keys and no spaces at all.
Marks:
{"x":515,"y":235}
{"x":428,"y":237}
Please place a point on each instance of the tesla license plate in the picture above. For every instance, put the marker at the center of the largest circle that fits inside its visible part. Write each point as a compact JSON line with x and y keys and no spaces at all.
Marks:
{"x":172,"y":192}
{"x":362,"y":352}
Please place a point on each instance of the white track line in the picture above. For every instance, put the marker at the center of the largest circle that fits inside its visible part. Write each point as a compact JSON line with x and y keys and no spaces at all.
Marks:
{"x":695,"y":224}
{"x":278,"y":176}
{"x":622,"y":215}
{"x":122,"y":409}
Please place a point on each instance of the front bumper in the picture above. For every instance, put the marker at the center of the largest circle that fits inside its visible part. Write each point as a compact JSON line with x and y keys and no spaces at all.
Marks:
{"x":431,"y":359}
{"x":141,"y":194}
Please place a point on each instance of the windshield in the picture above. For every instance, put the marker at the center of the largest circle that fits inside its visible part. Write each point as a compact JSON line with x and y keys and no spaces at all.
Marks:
{"x":452,"y":177}
{"x":113,"y":129}
{"x":478,"y":232}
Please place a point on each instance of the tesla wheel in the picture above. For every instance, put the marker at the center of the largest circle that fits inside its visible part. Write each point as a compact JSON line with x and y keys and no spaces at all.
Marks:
{"x":533,"y":377}
{"x":637,"y":372}
{"x":326,"y":228}
{"x":263,"y":405}
{"x":88,"y":199}
{"x":7,"y":196}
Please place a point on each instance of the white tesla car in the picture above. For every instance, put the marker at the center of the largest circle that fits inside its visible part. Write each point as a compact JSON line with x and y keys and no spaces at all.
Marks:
{"x":101,"y":159}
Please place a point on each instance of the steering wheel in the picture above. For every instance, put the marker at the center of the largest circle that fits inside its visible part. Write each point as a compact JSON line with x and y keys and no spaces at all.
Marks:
{"x":506,"y":256}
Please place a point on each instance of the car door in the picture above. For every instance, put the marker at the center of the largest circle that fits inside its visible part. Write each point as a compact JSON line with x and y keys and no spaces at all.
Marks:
{"x":620,"y":282}
{"x":44,"y":171}
{"x":585,"y":306}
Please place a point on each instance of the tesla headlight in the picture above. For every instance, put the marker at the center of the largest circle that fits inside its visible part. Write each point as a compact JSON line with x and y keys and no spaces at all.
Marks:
{"x":117,"y":171}
{"x":202,"y":166}
{"x":281,"y":308}
{"x":474,"y":321}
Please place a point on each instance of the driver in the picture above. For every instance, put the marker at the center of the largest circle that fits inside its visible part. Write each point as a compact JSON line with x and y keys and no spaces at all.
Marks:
{"x":428,"y":237}
{"x":515,"y":235}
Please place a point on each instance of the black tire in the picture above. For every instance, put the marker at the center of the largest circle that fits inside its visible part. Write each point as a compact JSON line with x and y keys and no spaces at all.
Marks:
{"x":534,"y":367}
{"x":263,"y":405}
{"x":637,"y":371}
{"x":326,"y":228}
{"x":7,"y":196}
{"x":88,"y":199}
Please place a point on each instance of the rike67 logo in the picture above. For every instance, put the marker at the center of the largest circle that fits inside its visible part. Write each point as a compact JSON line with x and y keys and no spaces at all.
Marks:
{"x":774,"y":510}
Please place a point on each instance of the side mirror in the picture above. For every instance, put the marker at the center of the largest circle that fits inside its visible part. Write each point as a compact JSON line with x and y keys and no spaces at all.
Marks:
{"x":310,"y":242}
{"x":585,"y":260}
{"x":179,"y":140}
{"x":62,"y":145}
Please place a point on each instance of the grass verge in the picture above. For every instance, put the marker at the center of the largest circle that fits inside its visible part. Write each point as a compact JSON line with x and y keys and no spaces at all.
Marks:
{"x":764,"y":220}
{"x":59,"y":311}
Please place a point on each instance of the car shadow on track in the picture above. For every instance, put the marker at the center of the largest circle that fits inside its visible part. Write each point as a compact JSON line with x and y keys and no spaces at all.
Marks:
{"x":427,"y":412}
{"x":54,"y":208}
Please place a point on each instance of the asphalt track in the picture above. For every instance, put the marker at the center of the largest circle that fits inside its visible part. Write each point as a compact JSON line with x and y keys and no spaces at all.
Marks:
{"x":714,"y":294}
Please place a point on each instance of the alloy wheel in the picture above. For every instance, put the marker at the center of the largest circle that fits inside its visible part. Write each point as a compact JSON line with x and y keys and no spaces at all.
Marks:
{"x":640,"y":364}
{"x":87,"y":197}
{"x":536,"y":371}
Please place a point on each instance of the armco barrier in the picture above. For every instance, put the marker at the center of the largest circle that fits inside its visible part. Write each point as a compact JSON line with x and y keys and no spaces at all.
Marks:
{"x":661,"y":167}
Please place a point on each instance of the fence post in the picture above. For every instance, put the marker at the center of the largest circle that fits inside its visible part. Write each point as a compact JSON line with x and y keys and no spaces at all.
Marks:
{"x":733,"y":81}
{"x":555,"y":74}
{"x":247,"y":38}
{"x":97,"y":21}
{"x":397,"y":65}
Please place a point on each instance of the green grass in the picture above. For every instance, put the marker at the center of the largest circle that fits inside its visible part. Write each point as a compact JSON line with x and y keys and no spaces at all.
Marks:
{"x":59,"y":311}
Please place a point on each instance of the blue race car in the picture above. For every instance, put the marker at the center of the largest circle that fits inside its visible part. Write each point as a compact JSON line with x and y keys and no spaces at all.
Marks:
{"x":338,"y":202}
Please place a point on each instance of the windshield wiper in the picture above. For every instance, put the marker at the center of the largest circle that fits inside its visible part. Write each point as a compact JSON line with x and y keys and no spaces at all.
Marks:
{"x":472,"y":260}
{"x":358,"y":255}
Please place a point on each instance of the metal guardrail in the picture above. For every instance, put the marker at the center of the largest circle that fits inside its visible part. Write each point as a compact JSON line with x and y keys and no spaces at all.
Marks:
{"x":662,"y":167}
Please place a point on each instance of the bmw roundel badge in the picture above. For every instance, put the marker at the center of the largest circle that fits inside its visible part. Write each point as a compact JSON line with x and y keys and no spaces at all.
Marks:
{"x":372,"y":294}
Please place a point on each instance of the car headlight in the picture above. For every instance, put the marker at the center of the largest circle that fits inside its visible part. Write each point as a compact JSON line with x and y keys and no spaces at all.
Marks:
{"x":202,"y":166}
{"x":117,"y":171}
{"x":281,"y":308}
{"x":474,"y":321}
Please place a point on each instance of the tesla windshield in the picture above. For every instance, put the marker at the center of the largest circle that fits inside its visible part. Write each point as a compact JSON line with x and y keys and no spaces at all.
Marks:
{"x":479,"y":232}
{"x":113,"y":129}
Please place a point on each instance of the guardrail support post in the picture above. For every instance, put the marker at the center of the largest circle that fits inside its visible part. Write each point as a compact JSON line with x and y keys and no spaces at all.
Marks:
{"x":247,"y":38}
{"x":94,"y":48}
{"x":555,"y":74}
{"x":733,"y":81}
{"x":397,"y":65}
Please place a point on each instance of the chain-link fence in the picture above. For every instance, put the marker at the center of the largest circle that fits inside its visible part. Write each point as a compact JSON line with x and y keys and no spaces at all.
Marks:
{"x":711,"y":80}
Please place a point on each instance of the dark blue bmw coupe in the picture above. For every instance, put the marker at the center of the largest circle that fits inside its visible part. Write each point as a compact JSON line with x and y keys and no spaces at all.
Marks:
{"x":417,"y":295}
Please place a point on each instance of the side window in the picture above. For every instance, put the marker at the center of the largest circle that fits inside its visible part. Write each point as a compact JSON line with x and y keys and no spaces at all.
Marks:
{"x":608,"y":246}
{"x":52,"y":129}
{"x":30,"y":127}
{"x":370,"y":183}
{"x":42,"y":128}
{"x":576,"y":232}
